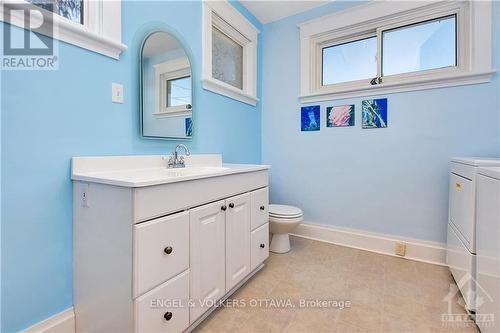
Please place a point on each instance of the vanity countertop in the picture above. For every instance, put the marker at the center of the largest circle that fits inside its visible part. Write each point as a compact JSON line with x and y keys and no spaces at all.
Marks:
{"x":141,"y":171}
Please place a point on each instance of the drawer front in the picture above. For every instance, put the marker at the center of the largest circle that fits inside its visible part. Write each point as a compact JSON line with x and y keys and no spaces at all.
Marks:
{"x":462,"y":208}
{"x":165,"y":308}
{"x":463,"y":170}
{"x":260,"y":207}
{"x":260,"y":246}
{"x":461,"y":263}
{"x":161,"y":251}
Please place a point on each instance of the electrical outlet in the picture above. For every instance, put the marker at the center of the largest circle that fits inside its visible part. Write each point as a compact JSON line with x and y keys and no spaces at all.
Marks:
{"x":400,"y":249}
{"x":85,"y":195}
{"x":116,"y":93}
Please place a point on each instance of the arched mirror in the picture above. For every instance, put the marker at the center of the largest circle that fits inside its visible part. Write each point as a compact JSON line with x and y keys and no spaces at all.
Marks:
{"x":166,"y":88}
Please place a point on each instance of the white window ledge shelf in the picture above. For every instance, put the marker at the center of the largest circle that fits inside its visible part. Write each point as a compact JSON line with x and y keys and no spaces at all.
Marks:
{"x":455,"y":80}
{"x":172,"y":114}
{"x":224,"y":89}
{"x":75,"y":34}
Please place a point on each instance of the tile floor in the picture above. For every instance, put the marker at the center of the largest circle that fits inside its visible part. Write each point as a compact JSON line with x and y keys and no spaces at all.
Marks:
{"x":387,"y":294}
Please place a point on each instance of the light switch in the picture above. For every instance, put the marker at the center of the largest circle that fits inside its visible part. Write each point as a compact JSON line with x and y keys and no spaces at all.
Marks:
{"x":117,"y":93}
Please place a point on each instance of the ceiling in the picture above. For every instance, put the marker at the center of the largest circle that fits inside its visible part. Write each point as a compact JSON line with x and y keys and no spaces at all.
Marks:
{"x":272,"y":10}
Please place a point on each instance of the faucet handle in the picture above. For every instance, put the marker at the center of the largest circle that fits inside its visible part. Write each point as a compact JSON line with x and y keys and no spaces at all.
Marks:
{"x":171,"y":161}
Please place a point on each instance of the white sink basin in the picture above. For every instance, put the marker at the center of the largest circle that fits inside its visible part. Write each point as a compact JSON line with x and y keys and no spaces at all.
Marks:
{"x":193,"y":171}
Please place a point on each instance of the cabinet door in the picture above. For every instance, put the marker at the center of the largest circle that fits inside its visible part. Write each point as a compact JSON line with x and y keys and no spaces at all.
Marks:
{"x":207,"y":256}
{"x":260,"y":207}
{"x":237,"y":239}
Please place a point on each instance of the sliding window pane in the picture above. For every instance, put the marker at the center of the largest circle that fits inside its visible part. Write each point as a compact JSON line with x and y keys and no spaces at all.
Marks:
{"x":350,"y":61}
{"x":418,"y":47}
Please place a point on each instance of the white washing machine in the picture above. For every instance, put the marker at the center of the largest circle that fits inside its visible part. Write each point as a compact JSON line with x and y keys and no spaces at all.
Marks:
{"x":461,"y":239}
{"x":488,"y":249}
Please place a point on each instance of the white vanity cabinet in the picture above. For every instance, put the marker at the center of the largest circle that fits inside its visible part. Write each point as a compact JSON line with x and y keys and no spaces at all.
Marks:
{"x":156,"y":254}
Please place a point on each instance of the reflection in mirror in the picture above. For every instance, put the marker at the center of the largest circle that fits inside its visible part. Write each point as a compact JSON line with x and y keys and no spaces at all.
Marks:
{"x":166,"y":110}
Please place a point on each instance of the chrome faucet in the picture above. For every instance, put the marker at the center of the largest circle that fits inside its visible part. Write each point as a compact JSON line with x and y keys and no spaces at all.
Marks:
{"x":175,"y":161}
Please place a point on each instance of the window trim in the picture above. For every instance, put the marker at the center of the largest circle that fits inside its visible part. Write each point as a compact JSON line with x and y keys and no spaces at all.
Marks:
{"x":166,"y":71}
{"x":100,"y":32}
{"x":231,"y":22}
{"x":473,"y":46}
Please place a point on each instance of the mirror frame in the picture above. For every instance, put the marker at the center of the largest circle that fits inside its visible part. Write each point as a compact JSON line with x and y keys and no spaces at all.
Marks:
{"x":141,"y":85}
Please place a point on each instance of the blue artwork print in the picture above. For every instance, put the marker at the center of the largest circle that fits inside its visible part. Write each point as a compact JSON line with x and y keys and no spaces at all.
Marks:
{"x":310,"y":118}
{"x":374,"y":113}
{"x":189,"y":126}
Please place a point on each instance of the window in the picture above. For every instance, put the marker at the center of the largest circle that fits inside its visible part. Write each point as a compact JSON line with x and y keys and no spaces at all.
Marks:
{"x":70,"y":9}
{"x":350,"y":61}
{"x":172,"y":80}
{"x":386,"y":46}
{"x":179,"y":92}
{"x":90,"y":24}
{"x":422,"y":46}
{"x":229,"y":52}
{"x":227,"y":59}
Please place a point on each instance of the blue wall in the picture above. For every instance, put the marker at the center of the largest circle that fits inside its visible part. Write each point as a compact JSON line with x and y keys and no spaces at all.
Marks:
{"x":393,"y":180}
{"x":48,"y":117}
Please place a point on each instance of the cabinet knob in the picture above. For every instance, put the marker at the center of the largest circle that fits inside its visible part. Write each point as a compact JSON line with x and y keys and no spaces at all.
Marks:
{"x":231,"y":205}
{"x":262,"y":207}
{"x":168,"y":250}
{"x":223,"y":208}
{"x":167,"y":316}
{"x":262,"y":246}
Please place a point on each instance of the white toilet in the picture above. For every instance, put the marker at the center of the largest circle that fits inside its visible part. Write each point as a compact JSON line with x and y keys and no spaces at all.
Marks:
{"x":282,"y":220}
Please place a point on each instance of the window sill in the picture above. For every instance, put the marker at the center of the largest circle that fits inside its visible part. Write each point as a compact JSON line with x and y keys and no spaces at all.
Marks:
{"x":78,"y":35}
{"x":224,"y":89}
{"x":170,"y":114}
{"x":402,"y":86}
{"x":70,"y":32}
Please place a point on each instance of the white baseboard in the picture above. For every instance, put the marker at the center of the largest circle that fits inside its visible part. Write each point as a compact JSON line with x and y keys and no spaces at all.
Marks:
{"x":425,"y":251}
{"x":63,"y":322}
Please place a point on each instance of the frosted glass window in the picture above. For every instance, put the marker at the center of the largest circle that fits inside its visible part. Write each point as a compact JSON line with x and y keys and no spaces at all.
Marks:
{"x":418,"y":47}
{"x":227,"y":59}
{"x":179,"y":91}
{"x":350,"y":61}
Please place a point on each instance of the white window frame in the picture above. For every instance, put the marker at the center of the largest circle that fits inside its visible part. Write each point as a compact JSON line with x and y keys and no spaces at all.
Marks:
{"x":474,"y":50}
{"x":164,"y":72}
{"x":227,"y":19}
{"x":100,"y":31}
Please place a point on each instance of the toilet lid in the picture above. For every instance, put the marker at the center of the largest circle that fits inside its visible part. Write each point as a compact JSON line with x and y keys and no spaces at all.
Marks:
{"x":284,"y":211}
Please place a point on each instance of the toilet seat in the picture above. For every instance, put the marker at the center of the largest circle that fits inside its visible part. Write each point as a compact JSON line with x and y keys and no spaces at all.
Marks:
{"x":284,"y":212}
